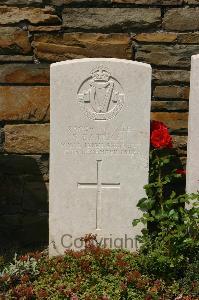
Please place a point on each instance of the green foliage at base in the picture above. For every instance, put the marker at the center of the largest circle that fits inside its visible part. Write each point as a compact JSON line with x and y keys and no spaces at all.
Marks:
{"x":96,"y":273}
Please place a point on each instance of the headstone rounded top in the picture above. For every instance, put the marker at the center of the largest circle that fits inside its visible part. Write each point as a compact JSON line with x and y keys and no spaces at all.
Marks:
{"x":86,"y":60}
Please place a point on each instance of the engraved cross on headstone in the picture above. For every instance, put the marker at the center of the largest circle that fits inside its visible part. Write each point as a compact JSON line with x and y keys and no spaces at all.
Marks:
{"x":99,"y":185}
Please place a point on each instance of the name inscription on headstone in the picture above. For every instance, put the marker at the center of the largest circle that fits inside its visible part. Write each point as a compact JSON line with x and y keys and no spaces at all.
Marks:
{"x":114,"y":141}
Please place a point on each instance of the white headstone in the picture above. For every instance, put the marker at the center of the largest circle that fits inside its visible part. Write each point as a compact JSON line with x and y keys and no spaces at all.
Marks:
{"x":192,"y":172}
{"x":100,"y":126}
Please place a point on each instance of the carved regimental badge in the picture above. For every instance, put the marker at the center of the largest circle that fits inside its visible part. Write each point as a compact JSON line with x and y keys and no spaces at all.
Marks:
{"x":101,"y":96}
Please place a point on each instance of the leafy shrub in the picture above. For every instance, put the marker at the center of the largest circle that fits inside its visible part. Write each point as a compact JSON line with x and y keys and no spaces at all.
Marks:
{"x":25,"y":264}
{"x":92,"y":273}
{"x":170,"y":242}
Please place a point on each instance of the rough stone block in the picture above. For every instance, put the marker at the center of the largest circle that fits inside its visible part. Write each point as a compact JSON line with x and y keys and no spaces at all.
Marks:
{"x":68,"y":2}
{"x":181,"y":19}
{"x":179,"y":141}
{"x":149,"y":2}
{"x":78,"y":45}
{"x":171,"y":92}
{"x":188,"y":38}
{"x":25,"y":73}
{"x":27,"y":138}
{"x":13,"y":15}
{"x":169,"y":106}
{"x":170,"y":76}
{"x":34,"y":28}
{"x":192,"y":2}
{"x":176,"y":121}
{"x":16,"y":58}
{"x":114,"y":19}
{"x":156,"y":37}
{"x":14,"y":40}
{"x":162,"y":55}
{"x":1,"y":138}
{"x":20,"y":2}
{"x":24,"y":103}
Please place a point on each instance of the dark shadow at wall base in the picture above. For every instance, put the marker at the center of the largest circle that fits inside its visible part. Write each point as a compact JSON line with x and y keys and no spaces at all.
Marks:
{"x":23,"y":202}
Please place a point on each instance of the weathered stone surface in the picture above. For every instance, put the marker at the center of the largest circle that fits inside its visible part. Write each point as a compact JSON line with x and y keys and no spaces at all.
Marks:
{"x":168,"y":76}
{"x":150,"y":2}
{"x":188,"y":38}
{"x":162,"y":55}
{"x":1,"y":138}
{"x":33,"y":28}
{"x":179,"y":141}
{"x":78,"y":45}
{"x":12,"y":15}
{"x":67,"y":2}
{"x":14,"y":40}
{"x":16,"y":58}
{"x":24,"y":73}
{"x":160,"y":37}
{"x":27,"y":138}
{"x":180,"y":144}
{"x":175,"y":121}
{"x":181,"y":19}
{"x":173,"y":92}
{"x":192,"y":1}
{"x":23,"y":165}
{"x":20,"y":2}
{"x":24,"y":103}
{"x":183,"y":159}
{"x":115,"y":19}
{"x":169,"y":106}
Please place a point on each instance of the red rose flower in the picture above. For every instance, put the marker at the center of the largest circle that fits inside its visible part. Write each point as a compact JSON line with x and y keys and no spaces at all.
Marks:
{"x":156,"y":125}
{"x":181,"y":171}
{"x":160,"y":138}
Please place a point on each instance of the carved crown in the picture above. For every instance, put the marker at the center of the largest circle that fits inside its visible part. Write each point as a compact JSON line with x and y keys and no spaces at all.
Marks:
{"x":100,"y":74}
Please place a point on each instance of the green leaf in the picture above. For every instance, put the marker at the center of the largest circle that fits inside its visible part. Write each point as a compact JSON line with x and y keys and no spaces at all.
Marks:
{"x":135,"y":222}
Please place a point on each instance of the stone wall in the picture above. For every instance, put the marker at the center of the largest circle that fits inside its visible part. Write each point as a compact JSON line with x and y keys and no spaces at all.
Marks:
{"x":35,"y":33}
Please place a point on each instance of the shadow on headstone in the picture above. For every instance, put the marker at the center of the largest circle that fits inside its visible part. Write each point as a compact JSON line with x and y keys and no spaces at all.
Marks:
{"x":23,"y":202}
